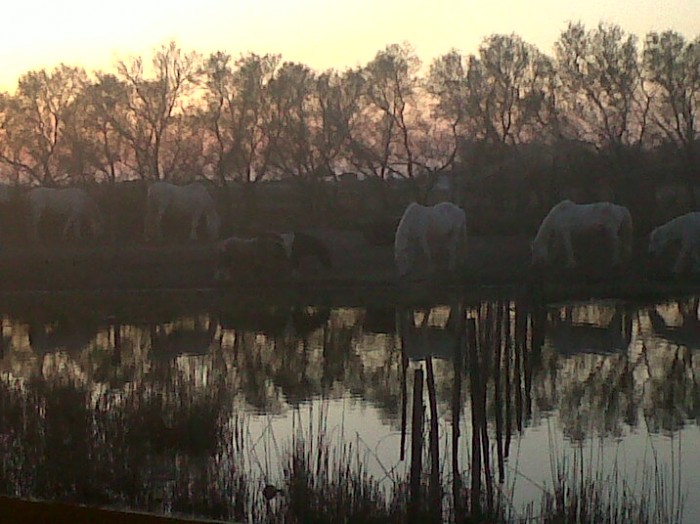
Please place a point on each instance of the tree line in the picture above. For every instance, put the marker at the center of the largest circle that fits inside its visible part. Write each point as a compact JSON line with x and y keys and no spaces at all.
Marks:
{"x":602,"y":107}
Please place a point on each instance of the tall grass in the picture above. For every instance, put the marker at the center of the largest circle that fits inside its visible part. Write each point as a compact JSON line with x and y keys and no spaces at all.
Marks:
{"x":588,"y":487}
{"x":318,"y":475}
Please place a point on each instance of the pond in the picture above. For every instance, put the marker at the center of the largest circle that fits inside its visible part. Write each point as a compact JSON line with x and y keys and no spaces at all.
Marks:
{"x":236,"y":409}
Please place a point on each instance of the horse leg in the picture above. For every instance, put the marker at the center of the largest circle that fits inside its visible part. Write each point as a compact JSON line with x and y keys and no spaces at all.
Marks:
{"x":194,"y":224}
{"x":452,"y":249}
{"x":682,"y":255}
{"x":569,"y":250}
{"x":70,"y":221}
{"x":425,"y":247}
{"x":616,"y":247}
{"x":695,"y":257}
{"x":158,"y":224}
{"x":34,"y":226}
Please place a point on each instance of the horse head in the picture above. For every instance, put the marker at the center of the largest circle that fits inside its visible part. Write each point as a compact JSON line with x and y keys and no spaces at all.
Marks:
{"x":656,"y":243}
{"x":539,"y":249}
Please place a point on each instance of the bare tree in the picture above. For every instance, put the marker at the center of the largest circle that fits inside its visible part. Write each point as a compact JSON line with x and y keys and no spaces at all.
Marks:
{"x":602,"y":87}
{"x":291,"y":127}
{"x":104,"y":107}
{"x":447,"y":84}
{"x":153,"y":103}
{"x":237,"y":109}
{"x":383,"y":146}
{"x":672,"y":66}
{"x":34,"y":121}
{"x":512,"y":89}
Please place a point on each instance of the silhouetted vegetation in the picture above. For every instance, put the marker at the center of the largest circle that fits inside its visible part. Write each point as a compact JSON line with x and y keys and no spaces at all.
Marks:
{"x":162,"y":413}
{"x":513,"y":128}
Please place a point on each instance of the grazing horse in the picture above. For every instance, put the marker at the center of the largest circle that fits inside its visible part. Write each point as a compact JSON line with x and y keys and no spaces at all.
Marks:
{"x":251,"y":257}
{"x":276,"y":254}
{"x":75,"y":204}
{"x":429,"y":232}
{"x":567,"y":218}
{"x":684,"y":229}
{"x":192,"y":200}
{"x":299,"y":246}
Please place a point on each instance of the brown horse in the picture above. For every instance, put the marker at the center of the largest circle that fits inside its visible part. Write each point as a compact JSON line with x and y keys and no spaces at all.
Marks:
{"x":276,"y":256}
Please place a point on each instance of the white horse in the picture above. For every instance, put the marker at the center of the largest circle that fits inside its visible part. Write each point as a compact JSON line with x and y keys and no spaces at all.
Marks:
{"x":75,"y":204}
{"x":426,"y":231}
{"x":567,"y":218}
{"x":192,"y":200}
{"x":684,"y":229}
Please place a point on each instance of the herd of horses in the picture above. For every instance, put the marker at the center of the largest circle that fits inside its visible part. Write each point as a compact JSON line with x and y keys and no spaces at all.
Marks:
{"x":429,"y":233}
{"x":428,"y":239}
{"x":269,"y":253}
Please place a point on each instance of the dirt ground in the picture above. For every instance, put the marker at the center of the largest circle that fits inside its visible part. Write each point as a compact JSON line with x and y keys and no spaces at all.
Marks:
{"x":193,"y":265}
{"x":490,"y":261}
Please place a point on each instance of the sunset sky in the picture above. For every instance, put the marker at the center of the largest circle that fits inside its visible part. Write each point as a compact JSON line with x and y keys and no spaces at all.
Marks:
{"x":320,"y":33}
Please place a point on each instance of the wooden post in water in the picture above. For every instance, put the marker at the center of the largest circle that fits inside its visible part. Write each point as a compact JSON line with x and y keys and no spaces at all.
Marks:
{"x":404,"y":403}
{"x":416,"y":448}
{"x":506,"y":372}
{"x":475,"y":496}
{"x":458,"y":367}
{"x":484,"y":352}
{"x":435,"y":493}
{"x":497,"y":398}
{"x":520,"y":336}
{"x":404,"y":380}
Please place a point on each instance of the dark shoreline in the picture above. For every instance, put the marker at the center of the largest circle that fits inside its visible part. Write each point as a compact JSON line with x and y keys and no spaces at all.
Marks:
{"x":362,"y":274}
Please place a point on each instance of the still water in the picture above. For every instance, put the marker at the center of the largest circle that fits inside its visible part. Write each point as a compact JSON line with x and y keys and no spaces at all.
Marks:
{"x":172,"y":405}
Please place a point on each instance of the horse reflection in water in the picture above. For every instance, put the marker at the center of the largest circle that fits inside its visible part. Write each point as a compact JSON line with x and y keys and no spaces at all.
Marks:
{"x":686,"y":331}
{"x":190,"y":337}
{"x":589,"y":329}
{"x":273,"y":341}
{"x":380,"y":320}
{"x":567,"y":219}
{"x":424,"y":340}
{"x":680,"y":235}
{"x":274,"y":321}
{"x":67,"y":335}
{"x":192,"y":201}
{"x":428,"y":234}
{"x":57,"y":343}
{"x":74,"y":205}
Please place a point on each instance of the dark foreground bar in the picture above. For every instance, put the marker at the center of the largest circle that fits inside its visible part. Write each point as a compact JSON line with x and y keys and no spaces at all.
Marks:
{"x":16,"y":511}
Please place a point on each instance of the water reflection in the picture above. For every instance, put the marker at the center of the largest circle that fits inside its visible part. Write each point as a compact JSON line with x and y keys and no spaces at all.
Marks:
{"x":100,"y":407}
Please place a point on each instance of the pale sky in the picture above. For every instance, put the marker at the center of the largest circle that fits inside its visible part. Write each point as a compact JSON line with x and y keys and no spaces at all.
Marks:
{"x":40,"y":34}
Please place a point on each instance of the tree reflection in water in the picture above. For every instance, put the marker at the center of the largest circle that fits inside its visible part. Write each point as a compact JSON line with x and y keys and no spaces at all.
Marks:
{"x":99,"y":408}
